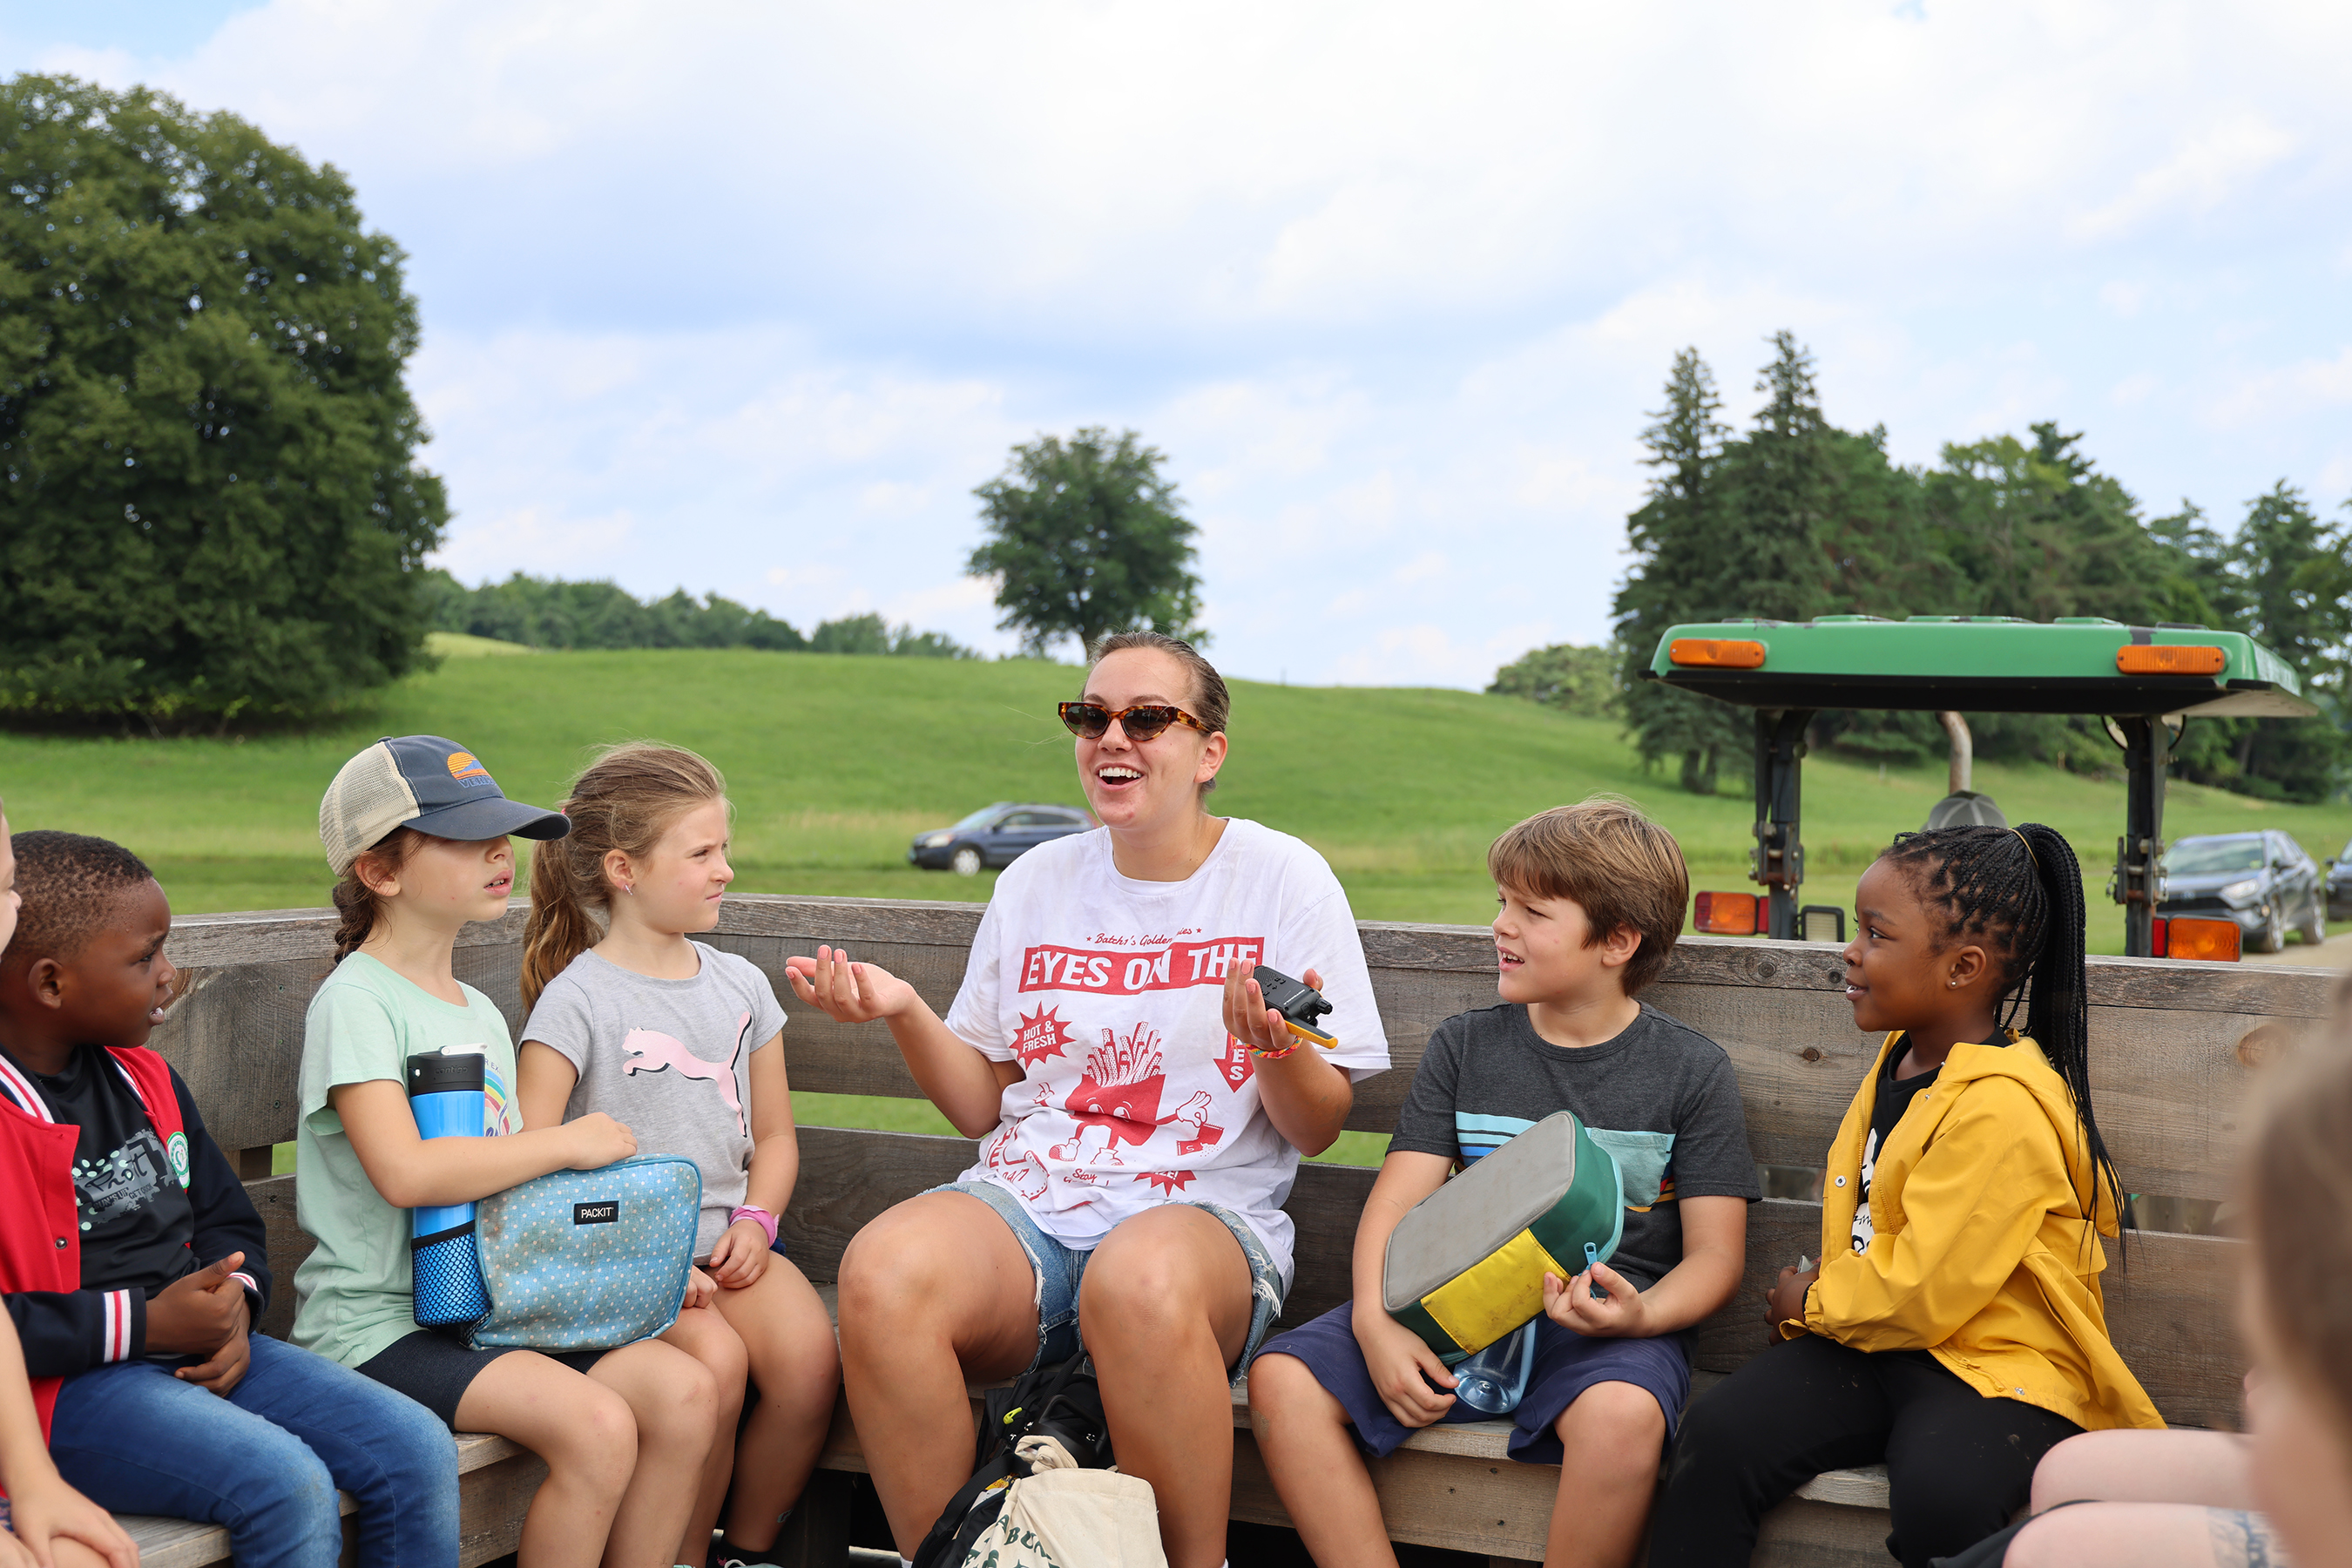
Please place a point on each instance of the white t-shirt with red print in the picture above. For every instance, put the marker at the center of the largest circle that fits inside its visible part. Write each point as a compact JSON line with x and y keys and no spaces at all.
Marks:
{"x":1110,"y":993}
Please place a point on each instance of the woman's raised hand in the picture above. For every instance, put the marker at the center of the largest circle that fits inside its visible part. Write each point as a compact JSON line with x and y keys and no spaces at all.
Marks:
{"x":848,"y":992}
{"x":1247,"y":1017}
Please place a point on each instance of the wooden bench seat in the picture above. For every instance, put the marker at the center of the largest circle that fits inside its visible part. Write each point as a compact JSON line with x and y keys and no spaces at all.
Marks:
{"x":2171,"y":1045}
{"x":1425,"y":1468}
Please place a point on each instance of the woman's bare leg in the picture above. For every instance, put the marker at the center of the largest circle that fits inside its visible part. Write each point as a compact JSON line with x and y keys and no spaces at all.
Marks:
{"x":1309,"y":1448}
{"x":935,"y":1291}
{"x":1164,"y":1310}
{"x":675,"y":1402}
{"x":789,"y":1341}
{"x":585,"y":1432}
{"x":706,"y":1336}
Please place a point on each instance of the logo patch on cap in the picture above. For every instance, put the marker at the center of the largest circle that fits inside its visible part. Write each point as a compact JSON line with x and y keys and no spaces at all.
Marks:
{"x":462,"y":765}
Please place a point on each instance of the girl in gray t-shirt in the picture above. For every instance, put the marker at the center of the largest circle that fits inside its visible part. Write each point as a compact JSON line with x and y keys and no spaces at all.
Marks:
{"x":682,"y":1044}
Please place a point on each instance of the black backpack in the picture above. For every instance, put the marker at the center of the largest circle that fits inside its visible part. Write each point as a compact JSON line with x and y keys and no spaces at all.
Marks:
{"x":1061,"y":1401}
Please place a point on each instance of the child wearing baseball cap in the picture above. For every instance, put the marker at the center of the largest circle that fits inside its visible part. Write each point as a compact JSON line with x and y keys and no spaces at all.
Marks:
{"x":417,"y":832}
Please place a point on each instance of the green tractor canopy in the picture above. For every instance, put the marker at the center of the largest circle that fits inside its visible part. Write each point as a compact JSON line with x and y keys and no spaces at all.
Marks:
{"x":2146,"y":680}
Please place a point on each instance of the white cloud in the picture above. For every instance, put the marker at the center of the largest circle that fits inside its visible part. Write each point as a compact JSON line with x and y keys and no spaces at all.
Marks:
{"x":748,"y":297}
{"x":2210,"y":166}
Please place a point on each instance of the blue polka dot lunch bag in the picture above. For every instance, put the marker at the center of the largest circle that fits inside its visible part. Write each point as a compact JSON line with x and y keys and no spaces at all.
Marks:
{"x":575,"y":1260}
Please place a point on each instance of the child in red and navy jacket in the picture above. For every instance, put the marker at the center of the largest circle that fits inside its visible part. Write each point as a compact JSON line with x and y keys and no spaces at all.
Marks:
{"x":133,"y":1262}
{"x":44,"y":1524}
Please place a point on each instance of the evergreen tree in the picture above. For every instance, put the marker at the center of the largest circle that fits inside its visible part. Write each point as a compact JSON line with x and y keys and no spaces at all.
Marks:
{"x":1771,"y":554}
{"x":1675,"y":577}
{"x":2296,"y":578}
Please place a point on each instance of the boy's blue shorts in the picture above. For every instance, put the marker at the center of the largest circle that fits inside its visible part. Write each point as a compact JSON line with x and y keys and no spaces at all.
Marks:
{"x":1567,"y":1363}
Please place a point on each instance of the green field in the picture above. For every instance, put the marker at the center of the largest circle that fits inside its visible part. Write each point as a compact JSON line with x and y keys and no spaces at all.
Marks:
{"x":835,"y":761}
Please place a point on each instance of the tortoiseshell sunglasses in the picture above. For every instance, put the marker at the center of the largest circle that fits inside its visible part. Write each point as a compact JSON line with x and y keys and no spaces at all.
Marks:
{"x":1091,"y":720}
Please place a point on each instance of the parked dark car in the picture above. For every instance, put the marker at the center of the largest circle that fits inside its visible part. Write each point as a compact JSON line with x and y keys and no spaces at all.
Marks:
{"x":2339,"y":886}
{"x":995,"y":836}
{"x":2262,"y":880}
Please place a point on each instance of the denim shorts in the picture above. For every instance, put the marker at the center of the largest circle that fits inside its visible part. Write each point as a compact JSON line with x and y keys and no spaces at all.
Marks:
{"x":1059,"y":1268}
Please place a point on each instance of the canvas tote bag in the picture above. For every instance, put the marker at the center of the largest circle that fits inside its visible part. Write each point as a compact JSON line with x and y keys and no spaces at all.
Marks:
{"x":1061,"y":1516}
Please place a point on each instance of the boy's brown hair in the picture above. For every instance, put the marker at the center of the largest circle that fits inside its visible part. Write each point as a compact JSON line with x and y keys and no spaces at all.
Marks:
{"x":1621,"y":868}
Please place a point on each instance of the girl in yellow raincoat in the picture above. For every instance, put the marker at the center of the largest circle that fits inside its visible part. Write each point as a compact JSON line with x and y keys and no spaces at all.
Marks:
{"x":1954,"y":1329}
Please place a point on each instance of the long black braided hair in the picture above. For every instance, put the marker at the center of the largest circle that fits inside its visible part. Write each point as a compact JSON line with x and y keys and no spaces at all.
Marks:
{"x":2019,"y":891}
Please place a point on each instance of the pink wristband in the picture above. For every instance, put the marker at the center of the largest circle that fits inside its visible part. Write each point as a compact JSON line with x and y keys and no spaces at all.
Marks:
{"x":757,"y":1216}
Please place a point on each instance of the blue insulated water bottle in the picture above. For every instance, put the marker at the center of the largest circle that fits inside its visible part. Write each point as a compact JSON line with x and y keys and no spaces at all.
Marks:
{"x":445,"y":1095}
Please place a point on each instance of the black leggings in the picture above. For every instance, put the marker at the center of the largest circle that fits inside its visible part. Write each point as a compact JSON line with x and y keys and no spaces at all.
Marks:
{"x":1959,"y":1463}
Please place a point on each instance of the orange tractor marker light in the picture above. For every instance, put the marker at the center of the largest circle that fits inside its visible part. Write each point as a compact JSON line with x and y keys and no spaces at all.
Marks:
{"x":2217,"y":941}
{"x":1726,"y":914}
{"x":2151,"y":659}
{"x":1716,"y":653}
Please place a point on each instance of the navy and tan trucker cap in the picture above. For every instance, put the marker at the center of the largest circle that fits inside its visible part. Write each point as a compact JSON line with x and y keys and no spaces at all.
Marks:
{"x":423,"y":781}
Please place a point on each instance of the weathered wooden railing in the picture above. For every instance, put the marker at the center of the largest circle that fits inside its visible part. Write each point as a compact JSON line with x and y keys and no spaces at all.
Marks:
{"x":2171,"y":1045}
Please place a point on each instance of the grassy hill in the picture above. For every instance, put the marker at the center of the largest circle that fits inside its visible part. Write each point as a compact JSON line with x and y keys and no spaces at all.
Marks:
{"x":835,"y":761}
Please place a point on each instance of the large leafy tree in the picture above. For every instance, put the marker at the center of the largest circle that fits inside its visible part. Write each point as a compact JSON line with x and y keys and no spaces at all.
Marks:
{"x":1565,"y":675}
{"x":214,"y":511}
{"x":1087,"y":537}
{"x":2042,"y":533}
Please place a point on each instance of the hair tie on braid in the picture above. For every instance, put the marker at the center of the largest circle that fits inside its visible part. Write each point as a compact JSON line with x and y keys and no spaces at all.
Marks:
{"x":2028,"y":848}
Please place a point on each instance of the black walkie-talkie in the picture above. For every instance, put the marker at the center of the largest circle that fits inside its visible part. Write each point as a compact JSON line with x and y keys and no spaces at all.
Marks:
{"x":1299,"y":1004}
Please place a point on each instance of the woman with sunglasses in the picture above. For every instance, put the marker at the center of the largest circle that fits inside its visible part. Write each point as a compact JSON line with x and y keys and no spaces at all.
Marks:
{"x":1143,"y":1109}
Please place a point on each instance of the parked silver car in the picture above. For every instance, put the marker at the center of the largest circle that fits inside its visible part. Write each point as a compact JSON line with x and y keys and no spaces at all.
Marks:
{"x":2262,"y":880}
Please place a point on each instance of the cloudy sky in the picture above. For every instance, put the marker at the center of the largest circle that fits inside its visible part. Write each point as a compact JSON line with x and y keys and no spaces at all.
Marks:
{"x":747,"y":297}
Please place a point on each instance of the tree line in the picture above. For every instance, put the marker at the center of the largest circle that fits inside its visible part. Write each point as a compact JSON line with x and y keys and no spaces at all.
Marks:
{"x":1794,"y":518}
{"x":552,"y":612}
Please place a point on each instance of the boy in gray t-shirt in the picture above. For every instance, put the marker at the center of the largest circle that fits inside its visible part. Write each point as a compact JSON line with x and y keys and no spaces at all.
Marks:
{"x":669,"y":1060}
{"x":1592,"y":899}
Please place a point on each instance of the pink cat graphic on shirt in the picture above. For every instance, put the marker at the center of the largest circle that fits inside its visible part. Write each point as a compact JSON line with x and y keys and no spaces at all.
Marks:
{"x":650,"y":1050}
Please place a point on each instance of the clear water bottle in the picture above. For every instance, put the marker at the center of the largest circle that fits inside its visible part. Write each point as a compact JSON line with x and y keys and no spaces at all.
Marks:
{"x":1495,"y":1379}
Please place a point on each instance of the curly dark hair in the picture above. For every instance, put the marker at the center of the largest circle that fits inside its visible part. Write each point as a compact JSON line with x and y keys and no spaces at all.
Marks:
{"x":69,"y":883}
{"x":2019,"y":893}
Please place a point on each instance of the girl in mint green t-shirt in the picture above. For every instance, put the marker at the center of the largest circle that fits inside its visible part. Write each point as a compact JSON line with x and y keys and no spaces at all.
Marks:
{"x":417,"y":831}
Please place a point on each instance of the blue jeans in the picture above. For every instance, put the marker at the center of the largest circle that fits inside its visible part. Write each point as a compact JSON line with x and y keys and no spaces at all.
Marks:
{"x":1060,"y":1266}
{"x":265,"y":1461}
